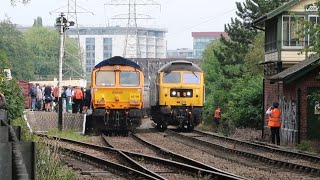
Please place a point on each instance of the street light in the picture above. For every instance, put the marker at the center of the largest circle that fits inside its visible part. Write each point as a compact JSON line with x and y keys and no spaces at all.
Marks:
{"x":62,"y":24}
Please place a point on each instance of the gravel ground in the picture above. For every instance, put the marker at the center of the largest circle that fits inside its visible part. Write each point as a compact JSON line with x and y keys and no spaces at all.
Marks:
{"x":130,"y":144}
{"x":217,"y":162}
{"x":243,"y":169}
{"x":256,"y":151}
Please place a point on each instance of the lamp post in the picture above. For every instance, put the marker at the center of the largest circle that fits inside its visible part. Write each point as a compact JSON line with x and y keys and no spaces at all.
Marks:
{"x":62,"y":23}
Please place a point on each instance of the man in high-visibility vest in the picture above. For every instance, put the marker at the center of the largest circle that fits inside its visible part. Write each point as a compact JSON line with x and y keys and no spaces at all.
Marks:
{"x":274,"y":122}
{"x":217,"y":117}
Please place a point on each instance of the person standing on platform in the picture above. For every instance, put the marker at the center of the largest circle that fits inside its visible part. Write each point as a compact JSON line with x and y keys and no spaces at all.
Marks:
{"x":68,"y":98}
{"x":48,"y":97}
{"x":87,"y":100}
{"x":39,"y":98}
{"x":33,"y":97}
{"x":77,"y":98}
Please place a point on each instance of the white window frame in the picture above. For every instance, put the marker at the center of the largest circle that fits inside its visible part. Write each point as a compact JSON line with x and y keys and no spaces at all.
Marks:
{"x":316,"y":16}
{"x":290,"y":47}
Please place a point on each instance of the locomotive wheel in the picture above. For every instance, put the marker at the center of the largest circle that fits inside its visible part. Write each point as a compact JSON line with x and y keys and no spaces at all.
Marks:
{"x":162,"y":124}
{"x":190,"y":127}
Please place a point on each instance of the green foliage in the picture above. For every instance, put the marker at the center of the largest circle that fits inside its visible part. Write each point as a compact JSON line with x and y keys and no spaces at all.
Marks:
{"x":244,"y":107}
{"x":26,"y":135}
{"x":310,"y":146}
{"x":48,"y":164}
{"x":255,"y":56}
{"x":4,"y":61}
{"x":233,"y":75}
{"x":68,"y":133}
{"x":15,"y":48}
{"x":14,"y":99}
{"x":37,"y":22}
{"x":45,"y":43}
{"x":310,"y":30}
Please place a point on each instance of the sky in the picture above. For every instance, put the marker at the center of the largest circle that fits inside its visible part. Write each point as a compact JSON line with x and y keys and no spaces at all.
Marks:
{"x":179,"y":17}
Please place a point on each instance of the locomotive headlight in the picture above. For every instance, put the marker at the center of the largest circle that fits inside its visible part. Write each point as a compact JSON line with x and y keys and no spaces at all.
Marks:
{"x":174,"y":93}
{"x":188,"y":93}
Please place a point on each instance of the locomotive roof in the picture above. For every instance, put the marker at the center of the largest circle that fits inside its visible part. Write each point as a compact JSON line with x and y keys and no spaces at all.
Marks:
{"x":180,"y":66}
{"x":117,"y":60}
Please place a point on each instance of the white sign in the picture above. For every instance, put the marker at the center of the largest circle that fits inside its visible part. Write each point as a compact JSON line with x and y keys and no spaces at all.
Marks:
{"x":7,"y":74}
{"x":311,"y":8}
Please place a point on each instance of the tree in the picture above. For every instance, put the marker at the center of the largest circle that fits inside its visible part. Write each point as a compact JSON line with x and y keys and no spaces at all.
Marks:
{"x":14,"y":45}
{"x":255,"y":56}
{"x":14,"y":98}
{"x":311,"y":30}
{"x":37,"y":22}
{"x":45,"y":43}
{"x":235,"y":48}
{"x":4,"y":61}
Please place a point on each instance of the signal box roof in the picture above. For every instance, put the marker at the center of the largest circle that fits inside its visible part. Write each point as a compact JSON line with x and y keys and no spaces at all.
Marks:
{"x":117,"y":60}
{"x":180,"y":66}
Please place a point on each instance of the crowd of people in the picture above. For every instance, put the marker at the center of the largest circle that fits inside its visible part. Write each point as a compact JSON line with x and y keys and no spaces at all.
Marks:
{"x":46,"y":98}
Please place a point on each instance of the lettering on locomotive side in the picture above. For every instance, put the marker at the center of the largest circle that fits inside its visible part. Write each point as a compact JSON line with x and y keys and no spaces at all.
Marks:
{"x":134,"y":96}
{"x":117,"y":92}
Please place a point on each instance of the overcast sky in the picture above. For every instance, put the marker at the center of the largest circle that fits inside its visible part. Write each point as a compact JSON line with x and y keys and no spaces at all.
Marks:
{"x":179,"y":17}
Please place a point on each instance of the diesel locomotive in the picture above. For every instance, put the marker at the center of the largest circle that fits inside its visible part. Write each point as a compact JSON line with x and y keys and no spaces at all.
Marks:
{"x":117,"y":96}
{"x":177,"y":96}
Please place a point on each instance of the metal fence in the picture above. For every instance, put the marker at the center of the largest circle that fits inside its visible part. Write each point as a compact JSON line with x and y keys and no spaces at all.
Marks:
{"x":40,"y":121}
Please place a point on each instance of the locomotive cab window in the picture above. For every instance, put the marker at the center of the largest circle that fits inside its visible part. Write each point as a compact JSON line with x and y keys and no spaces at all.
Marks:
{"x":105,"y":78}
{"x":129,"y":78}
{"x":171,"y":77}
{"x":191,"y":78}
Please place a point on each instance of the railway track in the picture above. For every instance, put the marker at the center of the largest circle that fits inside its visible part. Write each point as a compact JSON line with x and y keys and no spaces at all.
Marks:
{"x":108,"y":161}
{"x":139,"y":170}
{"x":134,"y":143}
{"x":293,"y":161}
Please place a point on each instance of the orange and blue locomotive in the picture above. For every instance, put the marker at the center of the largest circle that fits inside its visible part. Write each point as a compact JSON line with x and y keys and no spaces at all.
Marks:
{"x":177,"y":97}
{"x":117,"y":86}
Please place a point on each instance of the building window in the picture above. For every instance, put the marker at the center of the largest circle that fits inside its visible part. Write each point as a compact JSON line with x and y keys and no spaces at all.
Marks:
{"x":290,"y":26}
{"x":90,"y":40}
{"x":107,"y":48}
{"x":314,"y":19}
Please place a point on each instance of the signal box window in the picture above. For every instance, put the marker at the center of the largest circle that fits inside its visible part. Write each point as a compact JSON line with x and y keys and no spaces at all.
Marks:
{"x":128,"y":78}
{"x":191,"y":78}
{"x":171,"y":77}
{"x":290,"y":26}
{"x":105,"y":78}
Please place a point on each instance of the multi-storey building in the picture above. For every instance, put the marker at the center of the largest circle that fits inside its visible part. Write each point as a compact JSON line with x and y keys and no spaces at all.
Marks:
{"x":202,"y":39}
{"x":180,"y":53}
{"x":99,"y":43}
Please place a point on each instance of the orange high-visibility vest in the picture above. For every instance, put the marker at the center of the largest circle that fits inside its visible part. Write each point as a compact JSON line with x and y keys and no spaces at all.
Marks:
{"x":217,"y":113}
{"x":78,"y":94}
{"x":274,"y":118}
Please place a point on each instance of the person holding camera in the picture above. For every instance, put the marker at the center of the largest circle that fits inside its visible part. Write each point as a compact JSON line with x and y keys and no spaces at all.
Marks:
{"x":274,"y":122}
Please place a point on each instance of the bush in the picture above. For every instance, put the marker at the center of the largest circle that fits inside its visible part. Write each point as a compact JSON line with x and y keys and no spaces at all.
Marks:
{"x":14,"y":98}
{"x":48,"y":164}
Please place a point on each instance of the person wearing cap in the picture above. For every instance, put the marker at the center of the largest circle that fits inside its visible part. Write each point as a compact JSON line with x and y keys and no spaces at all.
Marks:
{"x":274,"y":122}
